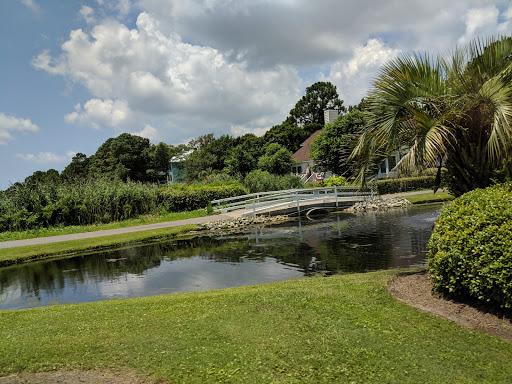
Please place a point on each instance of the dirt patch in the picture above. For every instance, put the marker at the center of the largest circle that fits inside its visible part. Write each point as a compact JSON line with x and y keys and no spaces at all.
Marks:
{"x":414,"y":289}
{"x":76,"y":377}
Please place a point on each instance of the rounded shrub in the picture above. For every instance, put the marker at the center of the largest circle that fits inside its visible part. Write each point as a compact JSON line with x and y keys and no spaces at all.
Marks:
{"x":470,"y":251}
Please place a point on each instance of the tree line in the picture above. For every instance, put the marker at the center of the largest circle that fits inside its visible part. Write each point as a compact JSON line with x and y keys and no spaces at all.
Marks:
{"x":130,"y":157}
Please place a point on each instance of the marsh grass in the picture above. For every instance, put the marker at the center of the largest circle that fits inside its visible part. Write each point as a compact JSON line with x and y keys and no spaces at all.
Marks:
{"x":338,"y":329}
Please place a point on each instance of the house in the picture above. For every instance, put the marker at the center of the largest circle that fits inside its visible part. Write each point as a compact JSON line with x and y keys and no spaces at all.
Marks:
{"x":386,"y":169}
{"x":175,"y":173}
{"x":305,"y":164}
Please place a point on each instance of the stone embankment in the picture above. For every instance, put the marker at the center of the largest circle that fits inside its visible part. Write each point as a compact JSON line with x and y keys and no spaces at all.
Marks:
{"x":378,"y":204}
{"x":242,"y":222}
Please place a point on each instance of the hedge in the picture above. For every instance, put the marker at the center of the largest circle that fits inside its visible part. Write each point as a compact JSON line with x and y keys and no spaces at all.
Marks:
{"x":183,"y":197}
{"x":470,"y":251}
{"x":405,"y":184}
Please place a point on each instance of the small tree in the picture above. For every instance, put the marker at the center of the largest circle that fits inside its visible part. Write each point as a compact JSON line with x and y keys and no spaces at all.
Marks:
{"x":276,"y":160}
{"x":333,"y":146}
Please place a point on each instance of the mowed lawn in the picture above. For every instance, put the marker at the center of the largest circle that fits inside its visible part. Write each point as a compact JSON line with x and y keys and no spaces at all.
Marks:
{"x":338,"y":329}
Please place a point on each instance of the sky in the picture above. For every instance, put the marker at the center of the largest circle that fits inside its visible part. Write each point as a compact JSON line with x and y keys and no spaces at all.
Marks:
{"x":74,"y":73}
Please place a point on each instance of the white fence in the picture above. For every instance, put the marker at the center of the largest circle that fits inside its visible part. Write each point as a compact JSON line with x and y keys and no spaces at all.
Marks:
{"x":255,"y":203}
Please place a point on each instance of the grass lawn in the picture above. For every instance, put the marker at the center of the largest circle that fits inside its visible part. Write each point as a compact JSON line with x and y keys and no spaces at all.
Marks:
{"x":429,"y":197}
{"x":338,"y":329}
{"x":145,"y":219}
{"x":11,"y":256}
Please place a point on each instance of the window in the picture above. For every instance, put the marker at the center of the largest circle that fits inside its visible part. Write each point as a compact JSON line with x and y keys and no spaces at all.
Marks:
{"x":391,"y":162}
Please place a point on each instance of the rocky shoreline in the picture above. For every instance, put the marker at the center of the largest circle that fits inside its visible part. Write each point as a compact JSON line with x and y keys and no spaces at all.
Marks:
{"x":379,"y":204}
{"x":242,"y":222}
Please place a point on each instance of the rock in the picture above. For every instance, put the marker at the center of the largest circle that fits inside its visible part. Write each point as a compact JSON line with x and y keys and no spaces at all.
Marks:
{"x":242,"y":222}
{"x":378,"y":204}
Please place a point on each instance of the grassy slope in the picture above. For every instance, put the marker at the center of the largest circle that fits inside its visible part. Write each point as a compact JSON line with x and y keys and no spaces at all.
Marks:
{"x":338,"y":329}
{"x":34,"y":252}
{"x":429,"y":197}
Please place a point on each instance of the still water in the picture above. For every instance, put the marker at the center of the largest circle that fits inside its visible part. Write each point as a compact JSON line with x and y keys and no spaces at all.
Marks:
{"x":339,"y":243}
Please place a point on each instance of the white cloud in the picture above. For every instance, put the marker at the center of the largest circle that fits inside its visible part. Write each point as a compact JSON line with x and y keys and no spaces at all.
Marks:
{"x":46,"y":157}
{"x":143,"y":74}
{"x":353,"y":77}
{"x":189,"y":67}
{"x":88,"y":14}
{"x":30,"y":4}
{"x":149,"y":132}
{"x":481,"y":22}
{"x":100,"y":113}
{"x":11,"y":124}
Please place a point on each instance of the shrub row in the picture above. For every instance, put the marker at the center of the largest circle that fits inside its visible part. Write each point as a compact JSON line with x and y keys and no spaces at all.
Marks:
{"x":405,"y":184}
{"x":263,"y":181}
{"x":25,"y":206}
{"x":182,"y":197}
{"x":470,"y":251}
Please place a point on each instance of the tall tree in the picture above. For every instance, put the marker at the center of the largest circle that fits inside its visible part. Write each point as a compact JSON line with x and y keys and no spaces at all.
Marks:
{"x":457,"y":108}
{"x":310,"y":108}
{"x":124,"y":157}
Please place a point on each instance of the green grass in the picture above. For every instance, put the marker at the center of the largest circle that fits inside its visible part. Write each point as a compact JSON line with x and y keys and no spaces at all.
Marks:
{"x":429,"y":197}
{"x":340,"y":329}
{"x":145,"y":219}
{"x":11,"y":256}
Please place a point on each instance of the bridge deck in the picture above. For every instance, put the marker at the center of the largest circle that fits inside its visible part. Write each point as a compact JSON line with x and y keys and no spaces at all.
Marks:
{"x":293,"y":200}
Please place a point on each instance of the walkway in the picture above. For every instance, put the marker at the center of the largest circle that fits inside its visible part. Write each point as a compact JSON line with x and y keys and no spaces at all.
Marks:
{"x":146,"y":227}
{"x":117,"y":231}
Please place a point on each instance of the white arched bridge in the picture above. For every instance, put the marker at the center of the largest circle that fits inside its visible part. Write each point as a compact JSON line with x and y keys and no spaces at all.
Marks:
{"x":293,"y":201}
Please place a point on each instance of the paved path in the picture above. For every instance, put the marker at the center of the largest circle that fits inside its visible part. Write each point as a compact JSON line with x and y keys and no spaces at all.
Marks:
{"x":138,"y":228}
{"x":117,"y":231}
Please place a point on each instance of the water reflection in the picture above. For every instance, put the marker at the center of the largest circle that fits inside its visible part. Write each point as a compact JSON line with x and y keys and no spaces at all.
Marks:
{"x":336,"y":243}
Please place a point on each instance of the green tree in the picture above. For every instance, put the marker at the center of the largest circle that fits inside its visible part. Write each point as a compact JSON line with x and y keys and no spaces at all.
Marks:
{"x":276,"y":160}
{"x":240,"y":161}
{"x":333,"y":146}
{"x":158,"y":160}
{"x":457,"y":108}
{"x":310,"y":108}
{"x":208,"y":157}
{"x":287,"y":134}
{"x":251,"y":144}
{"x":78,"y":169}
{"x":124,"y":157}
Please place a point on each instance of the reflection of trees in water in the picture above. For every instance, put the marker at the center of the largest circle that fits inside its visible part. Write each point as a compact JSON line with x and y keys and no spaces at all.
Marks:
{"x":367,"y":242}
{"x":54,"y":275}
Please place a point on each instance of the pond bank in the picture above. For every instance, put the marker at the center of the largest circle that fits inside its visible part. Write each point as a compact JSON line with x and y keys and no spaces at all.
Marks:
{"x":337,"y":329}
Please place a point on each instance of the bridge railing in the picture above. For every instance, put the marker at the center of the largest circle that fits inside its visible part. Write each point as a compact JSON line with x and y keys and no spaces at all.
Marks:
{"x":255,"y":203}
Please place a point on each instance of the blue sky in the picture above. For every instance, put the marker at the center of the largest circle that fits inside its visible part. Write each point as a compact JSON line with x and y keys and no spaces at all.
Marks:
{"x":74,"y":73}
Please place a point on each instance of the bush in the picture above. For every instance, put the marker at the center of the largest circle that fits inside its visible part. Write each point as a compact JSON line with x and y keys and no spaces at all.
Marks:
{"x":182,"y":197}
{"x":405,"y":184}
{"x":263,"y":181}
{"x":335,"y":181}
{"x":470,"y":251}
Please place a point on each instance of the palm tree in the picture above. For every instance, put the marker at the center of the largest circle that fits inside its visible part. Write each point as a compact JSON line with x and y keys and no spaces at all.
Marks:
{"x":455,"y":109}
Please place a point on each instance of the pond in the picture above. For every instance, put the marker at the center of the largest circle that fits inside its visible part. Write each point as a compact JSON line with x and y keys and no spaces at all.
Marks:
{"x":334,"y":243}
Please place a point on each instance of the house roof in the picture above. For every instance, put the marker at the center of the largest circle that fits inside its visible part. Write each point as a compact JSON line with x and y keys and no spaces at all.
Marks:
{"x":303,"y":154}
